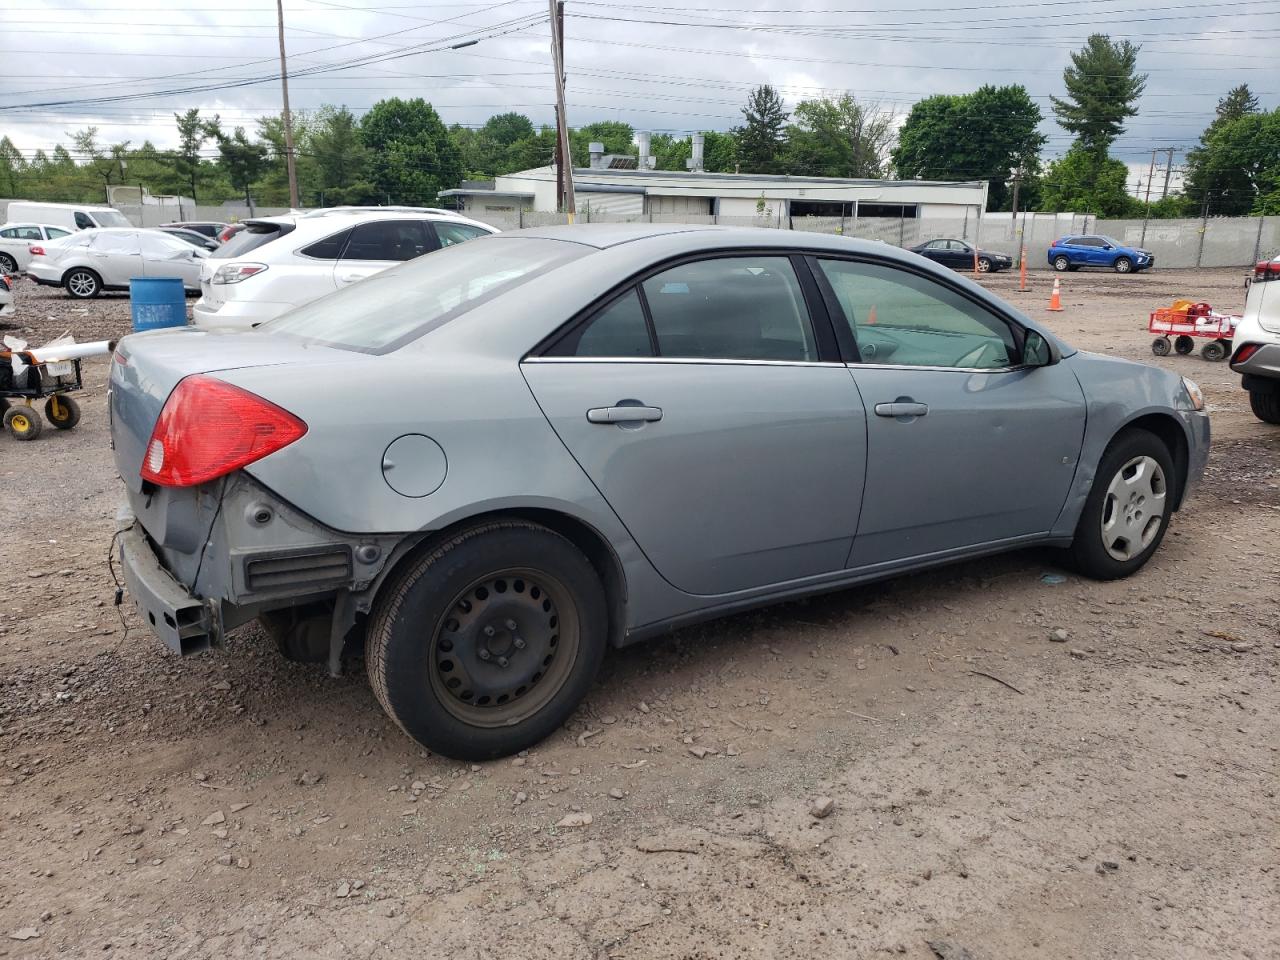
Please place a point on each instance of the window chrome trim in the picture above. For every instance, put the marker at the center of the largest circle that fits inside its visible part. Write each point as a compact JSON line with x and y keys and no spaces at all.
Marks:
{"x":853,"y":367}
{"x":703,"y":361}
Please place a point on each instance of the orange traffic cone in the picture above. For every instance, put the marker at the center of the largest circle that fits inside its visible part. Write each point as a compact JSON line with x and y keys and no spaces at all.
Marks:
{"x":1055,"y":300}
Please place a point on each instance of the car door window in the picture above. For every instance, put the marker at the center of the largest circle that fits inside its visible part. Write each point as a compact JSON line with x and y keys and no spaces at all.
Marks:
{"x":395,"y":240}
{"x":903,"y":319}
{"x":54,"y":233}
{"x":731,"y":308}
{"x":616,"y":330}
{"x":451,"y":233}
{"x":84,"y":221}
{"x":162,"y":247}
{"x":116,"y":243}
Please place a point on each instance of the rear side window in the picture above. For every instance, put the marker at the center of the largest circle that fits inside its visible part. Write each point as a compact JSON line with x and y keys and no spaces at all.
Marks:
{"x":54,"y":233}
{"x":451,"y":233}
{"x":21,"y":233}
{"x":732,"y":308}
{"x":617,"y":330}
{"x":327,"y":249}
{"x":252,"y":237}
{"x":119,"y":243}
{"x":386,"y":240}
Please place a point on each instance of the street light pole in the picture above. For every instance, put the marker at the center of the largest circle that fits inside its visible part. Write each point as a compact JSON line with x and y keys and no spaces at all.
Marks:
{"x":288,"y":119}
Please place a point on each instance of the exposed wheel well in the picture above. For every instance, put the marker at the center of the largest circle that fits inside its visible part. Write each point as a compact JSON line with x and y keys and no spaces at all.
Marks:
{"x":1170,"y":432}
{"x":582,"y":535}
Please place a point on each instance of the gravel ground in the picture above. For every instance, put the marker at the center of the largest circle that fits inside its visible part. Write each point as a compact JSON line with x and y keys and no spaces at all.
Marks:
{"x":1012,"y":761}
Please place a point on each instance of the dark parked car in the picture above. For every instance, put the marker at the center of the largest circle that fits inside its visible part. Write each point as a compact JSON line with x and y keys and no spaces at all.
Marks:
{"x":192,"y":237}
{"x":959,"y":256}
{"x":208,"y":228}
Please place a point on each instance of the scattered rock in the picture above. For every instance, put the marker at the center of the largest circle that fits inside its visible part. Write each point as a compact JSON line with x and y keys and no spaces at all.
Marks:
{"x":821,"y":808}
{"x":1058,"y":636}
{"x":225,"y":860}
{"x":213,"y":819}
{"x":615,"y":793}
{"x":1078,"y":653}
{"x":308,"y":779}
{"x":644,"y":707}
{"x":575,"y":820}
{"x":702,"y":752}
{"x":668,"y":844}
{"x":1180,"y":774}
{"x":946,"y":950}
{"x":237,"y":807}
{"x":26,"y":933}
{"x":201,"y":777}
{"x":343,"y":891}
{"x":518,"y":761}
{"x":1241,"y":647}
{"x":223,"y":685}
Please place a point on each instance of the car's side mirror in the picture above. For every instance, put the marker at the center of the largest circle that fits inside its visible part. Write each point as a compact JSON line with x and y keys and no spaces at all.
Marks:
{"x":1037,"y":351}
{"x":1107,"y":246}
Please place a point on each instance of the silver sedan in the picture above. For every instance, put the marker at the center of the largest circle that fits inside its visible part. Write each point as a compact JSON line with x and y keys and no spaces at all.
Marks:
{"x":494,"y":463}
{"x":91,"y":261}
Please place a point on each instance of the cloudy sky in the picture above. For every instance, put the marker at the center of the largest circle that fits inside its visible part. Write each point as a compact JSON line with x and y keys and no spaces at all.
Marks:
{"x":125,"y":67}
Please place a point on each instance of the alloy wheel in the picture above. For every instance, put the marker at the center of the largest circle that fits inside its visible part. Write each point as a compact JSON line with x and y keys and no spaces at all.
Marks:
{"x":82,"y":284}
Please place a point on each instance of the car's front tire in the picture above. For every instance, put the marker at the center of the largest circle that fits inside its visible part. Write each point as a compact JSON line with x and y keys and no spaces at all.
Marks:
{"x":82,"y":284}
{"x":1061,"y":264}
{"x":485,"y":646}
{"x":984,"y":264}
{"x":1128,"y":510}
{"x":1266,"y":406}
{"x":1123,"y":265}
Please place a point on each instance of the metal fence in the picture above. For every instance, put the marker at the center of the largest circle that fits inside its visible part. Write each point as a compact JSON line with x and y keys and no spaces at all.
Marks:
{"x":1215,"y":242}
{"x":152,"y":215}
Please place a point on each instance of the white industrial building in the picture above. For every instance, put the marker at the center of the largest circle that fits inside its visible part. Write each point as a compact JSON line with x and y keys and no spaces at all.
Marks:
{"x":627,"y":186}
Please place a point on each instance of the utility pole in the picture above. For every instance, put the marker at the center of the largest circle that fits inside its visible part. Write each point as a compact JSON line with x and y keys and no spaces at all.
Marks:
{"x":1168,"y":171}
{"x":288,"y":118}
{"x":564,"y":172}
{"x":1013,"y":218}
{"x":1151,"y":172}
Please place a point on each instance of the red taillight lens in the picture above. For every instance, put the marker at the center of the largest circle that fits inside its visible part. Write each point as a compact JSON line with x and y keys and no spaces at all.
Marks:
{"x":1245,"y":352}
{"x":36,"y":251}
{"x":1267,"y":270}
{"x":209,"y":428}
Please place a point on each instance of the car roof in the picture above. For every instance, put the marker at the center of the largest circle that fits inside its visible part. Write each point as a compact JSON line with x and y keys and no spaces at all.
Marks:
{"x":335,"y":218}
{"x":29,"y":223}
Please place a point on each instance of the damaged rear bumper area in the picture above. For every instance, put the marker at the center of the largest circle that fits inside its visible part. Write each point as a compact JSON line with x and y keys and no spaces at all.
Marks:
{"x":258,"y":559}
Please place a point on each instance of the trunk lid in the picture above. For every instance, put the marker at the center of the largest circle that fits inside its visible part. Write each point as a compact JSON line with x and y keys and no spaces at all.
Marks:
{"x":144,"y":370}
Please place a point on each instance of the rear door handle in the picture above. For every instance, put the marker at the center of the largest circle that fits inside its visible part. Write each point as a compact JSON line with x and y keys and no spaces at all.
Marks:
{"x":902,"y":408}
{"x":351,"y":277}
{"x":624,"y":414}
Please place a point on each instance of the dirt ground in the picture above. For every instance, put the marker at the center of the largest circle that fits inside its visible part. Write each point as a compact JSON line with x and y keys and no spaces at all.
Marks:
{"x":1113,"y":795}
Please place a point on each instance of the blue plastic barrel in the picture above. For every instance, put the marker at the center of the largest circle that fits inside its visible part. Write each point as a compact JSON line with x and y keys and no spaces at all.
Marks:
{"x":157,"y":302}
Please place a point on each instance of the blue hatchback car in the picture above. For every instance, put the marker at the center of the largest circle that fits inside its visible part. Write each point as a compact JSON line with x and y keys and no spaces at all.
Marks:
{"x":1072,"y":253}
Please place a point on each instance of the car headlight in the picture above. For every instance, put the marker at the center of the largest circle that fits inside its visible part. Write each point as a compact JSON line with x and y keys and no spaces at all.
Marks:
{"x":1192,"y":398}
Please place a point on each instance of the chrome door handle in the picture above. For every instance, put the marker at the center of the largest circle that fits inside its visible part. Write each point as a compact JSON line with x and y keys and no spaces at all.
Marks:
{"x":902,"y":408}
{"x":624,"y":414}
{"x":352,"y":277}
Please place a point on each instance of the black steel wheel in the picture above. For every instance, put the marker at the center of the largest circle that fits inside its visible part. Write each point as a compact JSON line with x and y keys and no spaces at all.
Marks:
{"x":1184,"y":344}
{"x":1214,"y":350}
{"x":1160,"y":346}
{"x":62,"y":412}
{"x":485,"y":646}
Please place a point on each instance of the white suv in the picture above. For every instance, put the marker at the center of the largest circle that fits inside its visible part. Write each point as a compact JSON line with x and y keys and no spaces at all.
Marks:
{"x":278,"y":263}
{"x":1257,"y":342}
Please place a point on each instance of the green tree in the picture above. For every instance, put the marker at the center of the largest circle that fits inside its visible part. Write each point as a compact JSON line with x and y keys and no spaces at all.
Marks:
{"x":504,"y":129}
{"x":242,"y":160}
{"x":1103,"y":88}
{"x":1238,"y":168}
{"x":760,"y":138}
{"x":839,"y":138}
{"x":719,"y":151}
{"x":1231,"y":190}
{"x":1084,"y":182}
{"x":12,"y":168}
{"x":341,"y":158}
{"x":617,"y":137}
{"x":193,"y":133}
{"x":412,"y":156}
{"x":984,"y":135}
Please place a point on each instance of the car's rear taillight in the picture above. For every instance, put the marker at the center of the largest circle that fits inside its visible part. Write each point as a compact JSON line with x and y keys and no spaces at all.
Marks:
{"x":1267,"y":270}
{"x":209,"y":428}
{"x":1245,"y":352}
{"x":236,"y":272}
{"x":36,"y":251}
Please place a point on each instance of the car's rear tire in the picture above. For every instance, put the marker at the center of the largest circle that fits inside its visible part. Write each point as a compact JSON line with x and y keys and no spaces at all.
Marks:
{"x":1061,"y":264}
{"x":1266,"y":406}
{"x":8,"y":264}
{"x":22,"y":422}
{"x":485,"y":646}
{"x":1122,"y":265}
{"x":82,"y":284}
{"x":1127,"y":512}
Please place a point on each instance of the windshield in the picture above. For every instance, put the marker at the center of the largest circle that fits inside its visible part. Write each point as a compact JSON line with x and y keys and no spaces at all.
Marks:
{"x":389,"y":309}
{"x":111,"y":218}
{"x":253,"y":236}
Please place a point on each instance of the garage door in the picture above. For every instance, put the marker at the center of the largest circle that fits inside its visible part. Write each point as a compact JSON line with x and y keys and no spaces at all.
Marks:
{"x":696,"y":206}
{"x":613,"y":204}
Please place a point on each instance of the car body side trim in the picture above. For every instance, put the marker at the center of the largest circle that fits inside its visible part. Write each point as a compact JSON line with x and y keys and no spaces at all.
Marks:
{"x":701,"y":361}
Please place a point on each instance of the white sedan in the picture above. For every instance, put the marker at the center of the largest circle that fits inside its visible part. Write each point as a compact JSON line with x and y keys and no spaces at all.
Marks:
{"x":91,"y":261}
{"x":16,"y":240}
